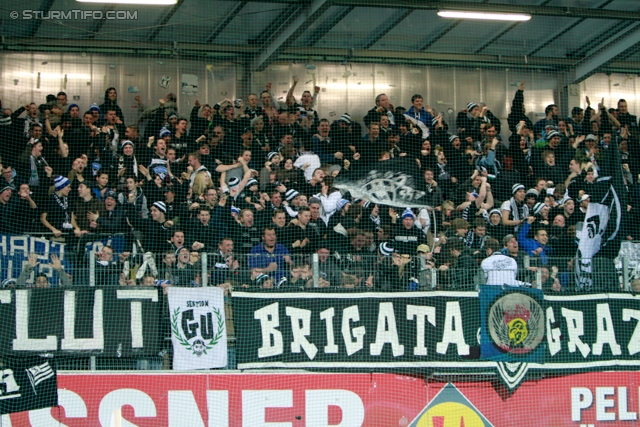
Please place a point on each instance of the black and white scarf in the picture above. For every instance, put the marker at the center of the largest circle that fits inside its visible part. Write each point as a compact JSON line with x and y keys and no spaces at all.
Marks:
{"x":518,"y":212}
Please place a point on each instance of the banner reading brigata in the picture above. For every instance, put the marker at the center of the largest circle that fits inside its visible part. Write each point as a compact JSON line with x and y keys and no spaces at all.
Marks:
{"x":110,"y":322}
{"x":435,"y":330}
{"x":322,"y":400}
{"x":348,"y":330}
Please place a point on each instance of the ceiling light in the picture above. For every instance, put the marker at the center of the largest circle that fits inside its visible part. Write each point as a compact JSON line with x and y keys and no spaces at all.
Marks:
{"x":484,"y":16}
{"x":140,"y":2}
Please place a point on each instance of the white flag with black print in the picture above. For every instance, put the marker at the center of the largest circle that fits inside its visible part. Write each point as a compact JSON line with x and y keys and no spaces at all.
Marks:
{"x":599,"y":234}
{"x":198,"y":328}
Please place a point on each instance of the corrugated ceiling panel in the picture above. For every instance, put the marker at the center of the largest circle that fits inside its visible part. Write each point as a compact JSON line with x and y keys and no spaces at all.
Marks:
{"x":193,"y":19}
{"x":355,"y":28}
{"x":561,"y":3}
{"x":19,"y":27}
{"x":72,"y":28}
{"x":311,"y":29}
{"x":137,"y":29}
{"x":251,"y":23}
{"x":583,"y":35}
{"x":414,"y":31}
{"x":528,"y":36}
{"x":466,"y":37}
{"x":616,"y":5}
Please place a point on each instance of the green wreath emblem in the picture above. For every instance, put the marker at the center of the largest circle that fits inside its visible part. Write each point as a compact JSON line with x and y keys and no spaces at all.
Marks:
{"x":200,"y":346}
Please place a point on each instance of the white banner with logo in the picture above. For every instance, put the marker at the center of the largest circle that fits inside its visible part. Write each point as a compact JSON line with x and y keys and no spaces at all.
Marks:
{"x":198,"y":329}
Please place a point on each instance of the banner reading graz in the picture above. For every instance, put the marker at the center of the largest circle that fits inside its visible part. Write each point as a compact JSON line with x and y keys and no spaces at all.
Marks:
{"x":111,"y":322}
{"x":424,"y":330}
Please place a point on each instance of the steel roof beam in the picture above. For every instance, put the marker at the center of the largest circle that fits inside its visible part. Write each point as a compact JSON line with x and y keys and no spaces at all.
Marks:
{"x":593,"y":63}
{"x":325,"y":26}
{"x":574,"y":12}
{"x":160,"y":25}
{"x":385,"y":27}
{"x":284,"y":37}
{"x":226,"y":20}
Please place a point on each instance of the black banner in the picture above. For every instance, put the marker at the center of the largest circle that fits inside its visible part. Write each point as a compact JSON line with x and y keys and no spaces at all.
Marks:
{"x":103,"y":321}
{"x":425,"y":330}
{"x":586,"y":332}
{"x":28,"y":383}
{"x":355,"y":330}
{"x":394,"y":182}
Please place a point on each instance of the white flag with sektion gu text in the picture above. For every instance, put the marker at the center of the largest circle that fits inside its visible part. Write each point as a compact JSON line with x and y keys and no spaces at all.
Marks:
{"x":198,"y":328}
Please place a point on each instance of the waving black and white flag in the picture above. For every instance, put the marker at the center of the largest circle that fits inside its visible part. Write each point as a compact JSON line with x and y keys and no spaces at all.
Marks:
{"x":599,"y":236}
{"x":26,"y":384}
{"x":395,"y":182}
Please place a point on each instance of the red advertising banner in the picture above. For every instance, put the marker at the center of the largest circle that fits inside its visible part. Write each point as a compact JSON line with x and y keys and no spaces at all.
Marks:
{"x":311,"y":399}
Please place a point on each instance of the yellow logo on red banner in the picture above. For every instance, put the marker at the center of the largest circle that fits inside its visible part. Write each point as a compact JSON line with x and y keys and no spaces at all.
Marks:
{"x":450,"y":408}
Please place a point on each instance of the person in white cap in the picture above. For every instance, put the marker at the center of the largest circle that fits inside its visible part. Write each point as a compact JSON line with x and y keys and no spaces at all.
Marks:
{"x":584,"y":203}
{"x":234,"y":184}
{"x":562,"y":153}
{"x":127,"y":163}
{"x":156,"y":231}
{"x":56,"y":216}
{"x":289,"y":203}
{"x":514,"y":210}
{"x":469,"y":120}
{"x":406,"y":237}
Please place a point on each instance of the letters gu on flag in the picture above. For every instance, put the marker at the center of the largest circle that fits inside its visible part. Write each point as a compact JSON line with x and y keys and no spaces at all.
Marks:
{"x":198,"y":328}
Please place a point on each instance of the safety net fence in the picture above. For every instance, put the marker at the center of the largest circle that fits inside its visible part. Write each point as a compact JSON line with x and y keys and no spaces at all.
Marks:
{"x":319,"y":213}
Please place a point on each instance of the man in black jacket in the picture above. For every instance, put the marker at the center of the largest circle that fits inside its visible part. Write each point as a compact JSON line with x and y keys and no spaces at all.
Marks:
{"x":463,"y":271}
{"x":383,"y":106}
{"x":244,"y":234}
{"x":518,"y":111}
{"x":113,"y":220}
{"x":406,"y":237}
{"x":202,"y":232}
{"x":155,"y":230}
{"x":108,"y":270}
{"x":6,"y":208}
{"x":82,"y":139}
{"x":200,"y":123}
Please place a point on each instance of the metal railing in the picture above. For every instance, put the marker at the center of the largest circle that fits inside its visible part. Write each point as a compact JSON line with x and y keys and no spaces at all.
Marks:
{"x":300,"y":273}
{"x":306,"y":272}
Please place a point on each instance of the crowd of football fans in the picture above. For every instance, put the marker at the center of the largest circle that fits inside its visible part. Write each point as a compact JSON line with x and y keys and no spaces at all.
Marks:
{"x":252,"y":185}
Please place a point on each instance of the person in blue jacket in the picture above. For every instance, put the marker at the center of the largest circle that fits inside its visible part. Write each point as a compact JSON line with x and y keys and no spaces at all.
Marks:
{"x":536,"y":247}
